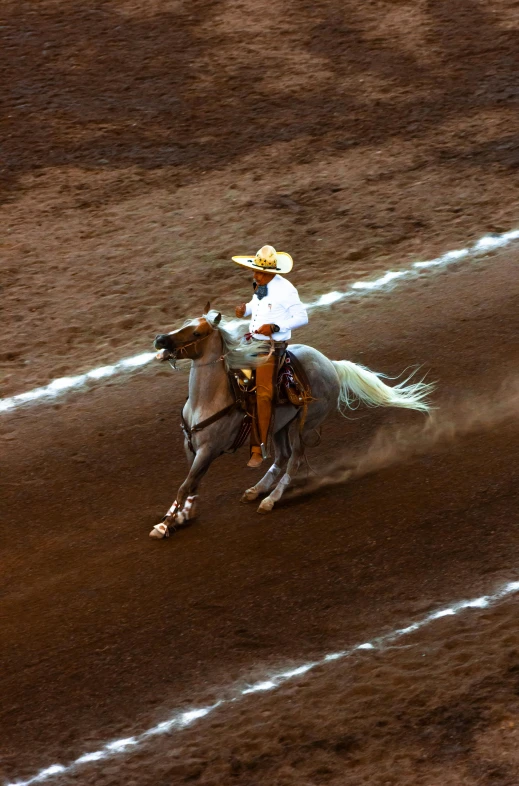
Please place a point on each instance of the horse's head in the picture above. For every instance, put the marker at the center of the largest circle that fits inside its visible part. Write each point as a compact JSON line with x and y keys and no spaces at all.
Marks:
{"x":187,"y":341}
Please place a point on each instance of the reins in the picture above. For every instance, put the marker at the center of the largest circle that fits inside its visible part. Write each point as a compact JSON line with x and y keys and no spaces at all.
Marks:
{"x":211,"y":362}
{"x":200,"y":365}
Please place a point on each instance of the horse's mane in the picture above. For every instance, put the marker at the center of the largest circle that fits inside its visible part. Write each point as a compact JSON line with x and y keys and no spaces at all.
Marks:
{"x":238,"y":354}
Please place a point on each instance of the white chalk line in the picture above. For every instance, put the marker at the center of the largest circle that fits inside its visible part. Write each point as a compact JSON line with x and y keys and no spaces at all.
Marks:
{"x":386,"y":282}
{"x":180,"y":720}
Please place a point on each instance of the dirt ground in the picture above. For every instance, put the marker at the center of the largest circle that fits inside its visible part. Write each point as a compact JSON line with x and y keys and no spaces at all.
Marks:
{"x":144,"y":142}
{"x":142,"y":145}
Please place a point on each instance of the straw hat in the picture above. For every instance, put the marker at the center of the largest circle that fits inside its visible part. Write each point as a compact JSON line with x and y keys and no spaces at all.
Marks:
{"x":267,"y":259}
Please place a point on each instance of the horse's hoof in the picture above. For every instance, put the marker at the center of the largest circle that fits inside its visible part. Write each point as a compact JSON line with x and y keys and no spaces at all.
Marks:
{"x":250,"y":495}
{"x":160,"y":531}
{"x":266,"y":506}
{"x":180,"y":518}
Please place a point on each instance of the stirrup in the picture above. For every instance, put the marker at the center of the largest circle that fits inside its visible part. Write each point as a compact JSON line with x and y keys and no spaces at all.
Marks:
{"x":264,"y":452}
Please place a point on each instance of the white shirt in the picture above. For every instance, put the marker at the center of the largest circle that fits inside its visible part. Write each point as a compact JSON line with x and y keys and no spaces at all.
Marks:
{"x":281,"y":306}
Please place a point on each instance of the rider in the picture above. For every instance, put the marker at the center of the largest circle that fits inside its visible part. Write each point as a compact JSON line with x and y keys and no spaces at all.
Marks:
{"x":275,"y":310}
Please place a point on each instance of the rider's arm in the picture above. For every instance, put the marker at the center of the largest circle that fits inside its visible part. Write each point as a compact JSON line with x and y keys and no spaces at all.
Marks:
{"x":295,"y":314}
{"x":248,"y":309}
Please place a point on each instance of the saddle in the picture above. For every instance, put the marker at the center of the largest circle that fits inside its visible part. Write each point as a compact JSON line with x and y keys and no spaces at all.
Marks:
{"x":292,"y":386}
{"x":292,"y":383}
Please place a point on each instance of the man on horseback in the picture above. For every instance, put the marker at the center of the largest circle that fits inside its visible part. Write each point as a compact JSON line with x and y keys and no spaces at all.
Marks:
{"x":275,"y":310}
{"x":212,"y":418}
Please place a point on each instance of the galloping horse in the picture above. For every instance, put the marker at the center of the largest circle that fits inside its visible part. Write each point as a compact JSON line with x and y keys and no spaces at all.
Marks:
{"x":212,"y":421}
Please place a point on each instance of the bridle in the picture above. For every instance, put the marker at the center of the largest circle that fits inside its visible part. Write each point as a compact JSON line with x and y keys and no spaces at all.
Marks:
{"x":173,"y":355}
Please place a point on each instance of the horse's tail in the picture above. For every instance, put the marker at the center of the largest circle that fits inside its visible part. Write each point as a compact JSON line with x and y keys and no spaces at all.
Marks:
{"x":360,"y":384}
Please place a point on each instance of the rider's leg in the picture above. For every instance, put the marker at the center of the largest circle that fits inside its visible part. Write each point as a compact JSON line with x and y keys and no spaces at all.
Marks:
{"x":264,"y":397}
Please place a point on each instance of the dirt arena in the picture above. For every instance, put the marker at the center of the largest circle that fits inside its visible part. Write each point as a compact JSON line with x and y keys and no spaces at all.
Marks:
{"x":142,"y":145}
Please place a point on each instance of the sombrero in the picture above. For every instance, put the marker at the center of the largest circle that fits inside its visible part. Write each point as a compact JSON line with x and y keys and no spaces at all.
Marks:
{"x":267,"y":259}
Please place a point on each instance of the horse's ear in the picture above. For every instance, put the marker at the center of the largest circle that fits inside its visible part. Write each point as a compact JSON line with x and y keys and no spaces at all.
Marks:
{"x":207,"y":308}
{"x":217,"y":319}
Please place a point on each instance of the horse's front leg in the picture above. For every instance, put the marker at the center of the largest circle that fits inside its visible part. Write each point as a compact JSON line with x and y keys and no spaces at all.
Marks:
{"x":180,"y":513}
{"x":184,"y":507}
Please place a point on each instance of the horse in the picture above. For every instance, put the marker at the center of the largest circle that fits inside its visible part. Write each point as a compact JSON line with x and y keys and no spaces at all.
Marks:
{"x":211,"y":420}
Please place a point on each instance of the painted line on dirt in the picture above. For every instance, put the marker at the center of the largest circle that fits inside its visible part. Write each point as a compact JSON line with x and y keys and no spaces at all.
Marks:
{"x":181,"y":719}
{"x":386,"y":282}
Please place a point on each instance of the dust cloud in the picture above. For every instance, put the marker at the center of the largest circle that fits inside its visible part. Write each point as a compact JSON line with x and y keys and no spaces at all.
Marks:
{"x":442,"y":428}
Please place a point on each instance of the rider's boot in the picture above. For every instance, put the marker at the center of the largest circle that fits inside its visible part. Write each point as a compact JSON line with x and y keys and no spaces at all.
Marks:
{"x":256,"y":459}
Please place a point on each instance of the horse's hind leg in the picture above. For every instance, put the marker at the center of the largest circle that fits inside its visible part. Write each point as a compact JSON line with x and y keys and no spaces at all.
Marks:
{"x":282,"y":452}
{"x":297,"y":450}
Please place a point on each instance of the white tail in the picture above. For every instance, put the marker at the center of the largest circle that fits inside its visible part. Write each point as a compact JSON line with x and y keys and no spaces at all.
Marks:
{"x":360,"y":384}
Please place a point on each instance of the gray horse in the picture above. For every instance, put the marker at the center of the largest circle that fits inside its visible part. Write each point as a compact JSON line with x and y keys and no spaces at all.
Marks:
{"x":215,"y":346}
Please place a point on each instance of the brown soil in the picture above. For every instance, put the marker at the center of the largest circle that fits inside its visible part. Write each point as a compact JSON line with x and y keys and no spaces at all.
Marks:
{"x":143,"y":145}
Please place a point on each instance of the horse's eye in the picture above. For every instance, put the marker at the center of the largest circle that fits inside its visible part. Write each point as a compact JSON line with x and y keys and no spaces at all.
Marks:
{"x":196,"y":334}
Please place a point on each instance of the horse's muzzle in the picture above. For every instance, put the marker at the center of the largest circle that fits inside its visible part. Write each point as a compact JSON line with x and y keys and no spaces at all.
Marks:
{"x":161,"y":341}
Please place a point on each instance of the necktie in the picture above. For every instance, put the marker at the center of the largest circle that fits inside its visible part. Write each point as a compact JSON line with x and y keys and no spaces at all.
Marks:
{"x":262,"y":291}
